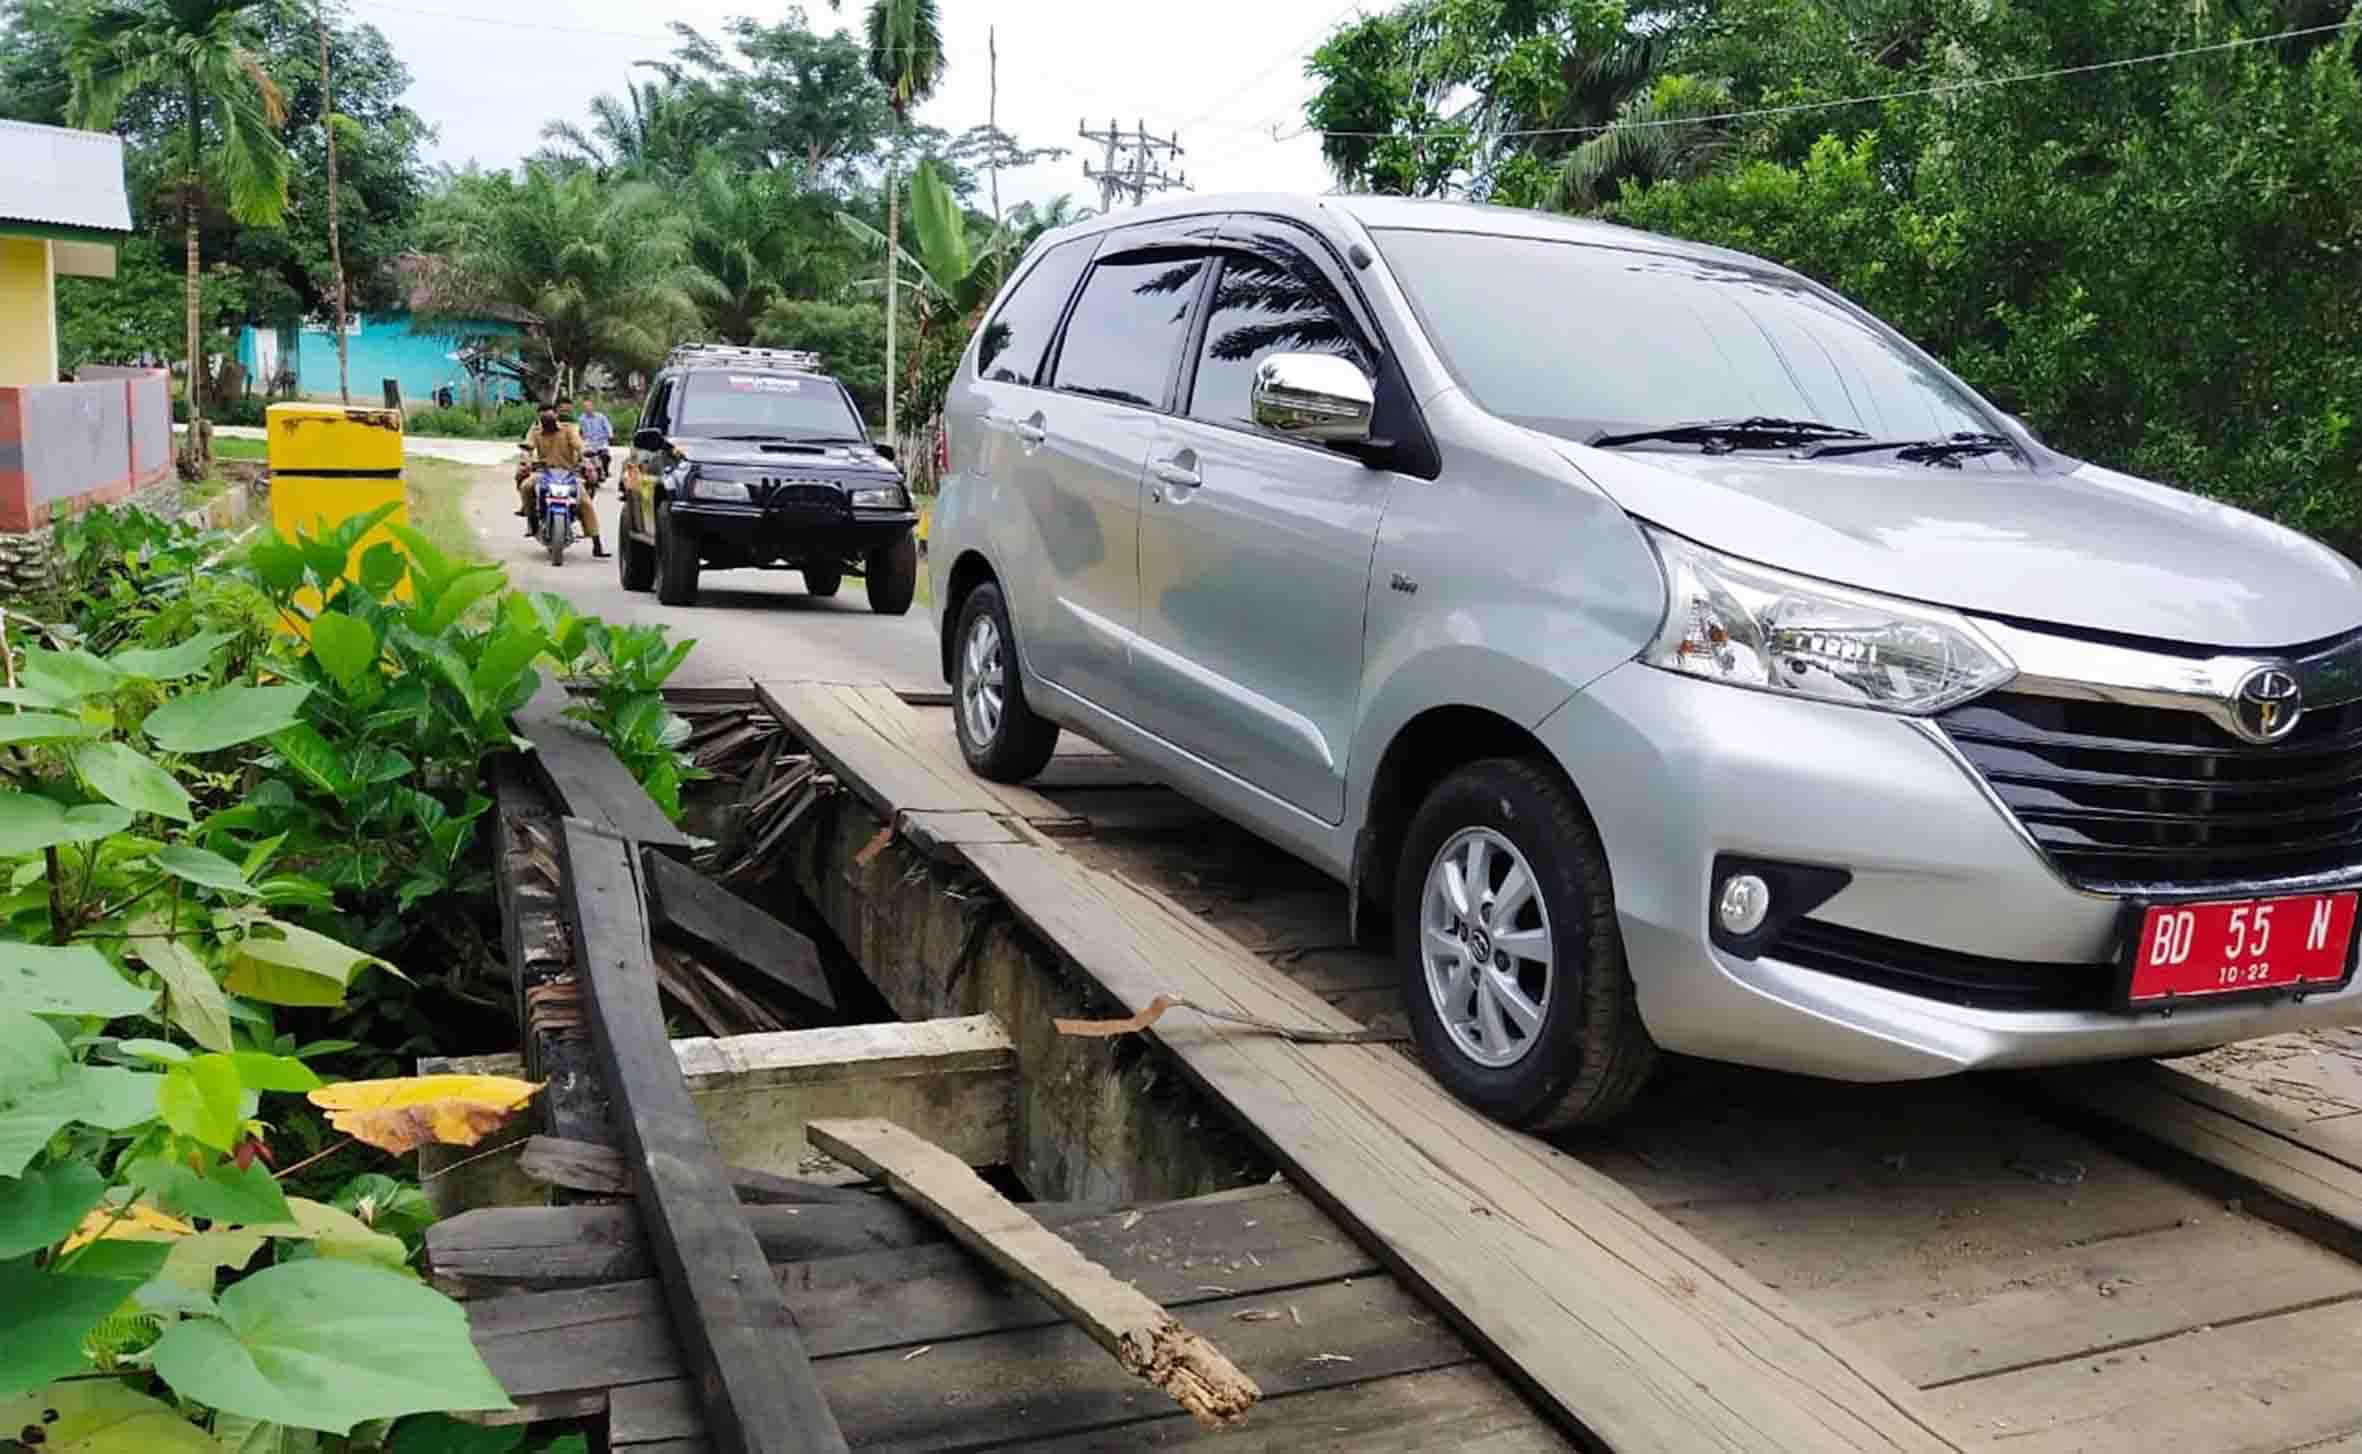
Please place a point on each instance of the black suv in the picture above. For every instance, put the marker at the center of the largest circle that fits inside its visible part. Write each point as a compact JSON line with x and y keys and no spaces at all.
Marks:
{"x":751,"y":457}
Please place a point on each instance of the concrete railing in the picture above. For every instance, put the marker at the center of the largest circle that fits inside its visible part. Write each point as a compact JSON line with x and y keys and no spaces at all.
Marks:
{"x":64,"y":446}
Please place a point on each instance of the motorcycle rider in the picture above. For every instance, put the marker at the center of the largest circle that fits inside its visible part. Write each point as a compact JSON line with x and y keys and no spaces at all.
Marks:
{"x":598,"y":433}
{"x":554,"y":444}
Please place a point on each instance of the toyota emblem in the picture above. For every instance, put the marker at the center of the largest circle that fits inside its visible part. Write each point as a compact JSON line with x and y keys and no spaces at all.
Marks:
{"x":2267,"y":704}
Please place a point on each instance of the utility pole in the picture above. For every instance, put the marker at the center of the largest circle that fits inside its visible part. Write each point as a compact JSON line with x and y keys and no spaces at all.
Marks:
{"x":1134,"y":165}
{"x":344,"y":388}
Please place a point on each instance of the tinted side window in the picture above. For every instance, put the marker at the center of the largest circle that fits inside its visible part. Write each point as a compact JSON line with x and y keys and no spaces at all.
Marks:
{"x":659,"y":403}
{"x":1274,"y":300}
{"x":1129,"y":327}
{"x":1011,"y":350}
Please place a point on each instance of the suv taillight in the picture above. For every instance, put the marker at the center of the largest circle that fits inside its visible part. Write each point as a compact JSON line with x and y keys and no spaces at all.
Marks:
{"x":942,"y":451}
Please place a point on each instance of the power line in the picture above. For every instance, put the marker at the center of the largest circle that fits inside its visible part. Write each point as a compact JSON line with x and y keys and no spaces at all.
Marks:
{"x":1256,"y":79}
{"x":1941,"y":88}
{"x":1135,"y":163}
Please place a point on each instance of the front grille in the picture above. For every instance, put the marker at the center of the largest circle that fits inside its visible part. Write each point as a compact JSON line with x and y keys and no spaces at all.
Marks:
{"x":1942,"y":974}
{"x":801,"y":497}
{"x":2121,"y":795}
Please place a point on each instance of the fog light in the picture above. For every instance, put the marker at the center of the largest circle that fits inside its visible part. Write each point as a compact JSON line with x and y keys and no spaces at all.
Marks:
{"x":1745,"y":903}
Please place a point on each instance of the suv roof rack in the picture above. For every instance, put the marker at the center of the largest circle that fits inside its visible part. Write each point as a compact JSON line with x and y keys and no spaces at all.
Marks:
{"x":732,"y":353}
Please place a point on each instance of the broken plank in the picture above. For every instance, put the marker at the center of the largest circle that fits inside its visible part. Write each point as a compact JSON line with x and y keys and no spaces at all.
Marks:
{"x":1147,"y":1340}
{"x":585,"y":1166}
{"x":755,"y":1384}
{"x":2249,"y":1155}
{"x":587,"y":778}
{"x":711,"y":916}
{"x":1627,"y":1328}
{"x":953,"y":1081}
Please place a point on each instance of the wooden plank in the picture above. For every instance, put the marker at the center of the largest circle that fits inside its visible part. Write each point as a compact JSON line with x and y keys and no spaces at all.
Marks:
{"x":2253,"y":1152}
{"x":755,"y":1384}
{"x":1465,"y":1408}
{"x":1050,"y":1380}
{"x":952,"y":1080}
{"x":2280,"y":1383}
{"x":1627,"y":1328}
{"x":935,"y":832}
{"x":587,"y":778}
{"x":585,"y":1166}
{"x":509,"y":1249}
{"x":1148,"y":1341}
{"x":548,"y":1347}
{"x":718,"y":920}
{"x":928,"y":736}
{"x":843,"y":734}
{"x":2326,"y":1136}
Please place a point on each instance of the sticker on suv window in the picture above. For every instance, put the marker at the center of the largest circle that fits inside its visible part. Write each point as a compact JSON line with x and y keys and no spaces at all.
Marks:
{"x":760,"y":384}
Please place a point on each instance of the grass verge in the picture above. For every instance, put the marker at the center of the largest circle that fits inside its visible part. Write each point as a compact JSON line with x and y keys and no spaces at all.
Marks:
{"x":438,"y":509}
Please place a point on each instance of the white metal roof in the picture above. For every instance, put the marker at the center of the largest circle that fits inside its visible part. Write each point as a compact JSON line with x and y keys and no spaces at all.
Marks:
{"x":56,"y":177}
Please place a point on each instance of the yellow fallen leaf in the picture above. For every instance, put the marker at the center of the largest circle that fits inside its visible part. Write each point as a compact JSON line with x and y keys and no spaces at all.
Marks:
{"x":404,"y":1114}
{"x":139,"y":1223}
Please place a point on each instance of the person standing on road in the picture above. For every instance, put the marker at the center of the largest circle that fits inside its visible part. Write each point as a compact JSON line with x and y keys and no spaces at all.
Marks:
{"x":552,"y":444}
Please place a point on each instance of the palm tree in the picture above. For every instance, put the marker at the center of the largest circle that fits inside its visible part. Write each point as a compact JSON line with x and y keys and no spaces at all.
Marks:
{"x":742,"y":235}
{"x":1655,"y":137}
{"x":205,"y":50}
{"x":653,"y":132}
{"x":906,"y":57}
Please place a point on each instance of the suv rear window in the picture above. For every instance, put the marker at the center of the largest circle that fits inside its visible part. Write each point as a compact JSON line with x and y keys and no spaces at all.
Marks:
{"x":1128,"y":328}
{"x":1011,"y":352}
{"x":733,"y":403}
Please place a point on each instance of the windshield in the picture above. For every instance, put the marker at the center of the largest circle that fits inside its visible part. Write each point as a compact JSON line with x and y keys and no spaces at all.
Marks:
{"x":1578,"y":340}
{"x":716,"y":404}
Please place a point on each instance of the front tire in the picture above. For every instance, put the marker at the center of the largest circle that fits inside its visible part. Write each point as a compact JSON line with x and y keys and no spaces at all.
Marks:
{"x":676,"y":562}
{"x":999,"y":734}
{"x":635,"y":562}
{"x":1513,"y":969}
{"x":892,"y":576}
{"x":556,"y":530}
{"x":823,"y":580}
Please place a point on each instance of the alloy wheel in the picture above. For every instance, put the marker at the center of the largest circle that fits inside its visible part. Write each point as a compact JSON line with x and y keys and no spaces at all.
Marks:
{"x":982,"y":680}
{"x":1484,"y":942}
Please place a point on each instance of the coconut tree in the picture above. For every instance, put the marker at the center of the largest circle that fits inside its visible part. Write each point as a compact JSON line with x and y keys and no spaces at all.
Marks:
{"x":203,"y":52}
{"x":905,"y":42}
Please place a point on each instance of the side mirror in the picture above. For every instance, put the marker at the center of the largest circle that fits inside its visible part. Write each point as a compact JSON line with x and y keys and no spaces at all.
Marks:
{"x":1314,"y":396}
{"x":885,"y":452}
{"x":651,"y":440}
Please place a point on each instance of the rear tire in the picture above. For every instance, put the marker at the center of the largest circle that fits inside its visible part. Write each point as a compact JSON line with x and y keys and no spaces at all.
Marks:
{"x":676,"y":562}
{"x":635,"y":562}
{"x":1561,"y":1042}
{"x":892,"y":575}
{"x":999,"y":734}
{"x":823,"y":580}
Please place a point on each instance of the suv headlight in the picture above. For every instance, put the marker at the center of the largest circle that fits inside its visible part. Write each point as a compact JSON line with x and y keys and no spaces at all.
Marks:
{"x":703,"y":486}
{"x":1751,"y":626}
{"x":881,"y":497}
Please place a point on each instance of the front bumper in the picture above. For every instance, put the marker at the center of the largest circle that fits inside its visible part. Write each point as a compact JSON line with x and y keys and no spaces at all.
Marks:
{"x":731,"y":534}
{"x":1676,"y":771}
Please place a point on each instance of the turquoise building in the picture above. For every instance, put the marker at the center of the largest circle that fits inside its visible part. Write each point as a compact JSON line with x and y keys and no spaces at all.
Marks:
{"x":379,"y":346}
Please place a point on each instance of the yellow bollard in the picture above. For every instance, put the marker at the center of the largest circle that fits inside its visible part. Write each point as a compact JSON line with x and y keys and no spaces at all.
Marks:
{"x":329,"y":464}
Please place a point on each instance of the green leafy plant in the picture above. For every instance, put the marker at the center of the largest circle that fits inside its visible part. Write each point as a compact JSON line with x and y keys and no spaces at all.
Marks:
{"x":627,"y":667}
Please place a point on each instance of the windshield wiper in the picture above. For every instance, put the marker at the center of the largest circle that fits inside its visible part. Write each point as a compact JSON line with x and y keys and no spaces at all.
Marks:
{"x":1941,"y":450}
{"x":1754,"y":431}
{"x":781,"y":438}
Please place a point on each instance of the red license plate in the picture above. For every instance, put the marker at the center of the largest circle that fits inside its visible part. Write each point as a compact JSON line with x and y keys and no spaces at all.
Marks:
{"x":2192,"y":951}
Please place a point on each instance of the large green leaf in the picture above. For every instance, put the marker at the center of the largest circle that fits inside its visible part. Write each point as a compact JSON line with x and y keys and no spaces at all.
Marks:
{"x":36,"y":1073}
{"x":111,"y":1097}
{"x":224,"y":717}
{"x":41,"y":727}
{"x":42,"y":1206}
{"x":224,"y":1194}
{"x":510,"y":649}
{"x":235,"y":1434}
{"x":29,"y":823}
{"x":463,"y":591}
{"x":438,"y":655}
{"x":287,"y":964}
{"x":941,"y":231}
{"x":41,"y":1338}
{"x":324,"y":1344}
{"x":131,"y":779}
{"x":315,"y":758}
{"x":192,"y":996}
{"x":166,"y":663}
{"x":62,"y":678}
{"x":67,"y":979}
{"x":127,"y":1259}
{"x":197,"y":1262}
{"x":200,"y":1100}
{"x":102,"y":1416}
{"x":204,"y":867}
{"x":260,"y":1072}
{"x":338,"y":1234}
{"x":345,"y":646}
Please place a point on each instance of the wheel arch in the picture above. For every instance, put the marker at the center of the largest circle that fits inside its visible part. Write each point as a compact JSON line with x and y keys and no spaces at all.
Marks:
{"x":968,"y":572}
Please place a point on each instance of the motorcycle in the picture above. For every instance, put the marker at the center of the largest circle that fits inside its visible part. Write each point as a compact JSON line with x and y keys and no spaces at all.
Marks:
{"x":594,"y":468}
{"x":555,"y":510}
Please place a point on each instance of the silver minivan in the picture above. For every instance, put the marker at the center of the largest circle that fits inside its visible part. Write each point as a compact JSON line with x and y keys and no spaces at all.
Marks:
{"x":1664,"y":652}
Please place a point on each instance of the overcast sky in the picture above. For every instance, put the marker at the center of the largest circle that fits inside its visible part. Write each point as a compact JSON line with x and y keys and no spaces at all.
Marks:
{"x":1222,"y":72}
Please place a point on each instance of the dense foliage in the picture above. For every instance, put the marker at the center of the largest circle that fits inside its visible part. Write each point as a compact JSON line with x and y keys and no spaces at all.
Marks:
{"x":2155,"y":264}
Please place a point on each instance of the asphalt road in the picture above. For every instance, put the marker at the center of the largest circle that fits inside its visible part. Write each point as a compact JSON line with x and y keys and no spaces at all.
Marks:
{"x":746,"y":623}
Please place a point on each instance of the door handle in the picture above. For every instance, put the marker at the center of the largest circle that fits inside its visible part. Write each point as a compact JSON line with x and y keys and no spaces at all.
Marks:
{"x":1175,"y":473}
{"x":1033,"y":431}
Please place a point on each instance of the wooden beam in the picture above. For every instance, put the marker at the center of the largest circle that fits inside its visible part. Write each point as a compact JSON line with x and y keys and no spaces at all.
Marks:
{"x":1147,"y":1340}
{"x":589,"y":781}
{"x":754,"y":1382}
{"x":718,"y":920}
{"x":953,"y":1080}
{"x":524,"y":1249}
{"x":586,"y":1166}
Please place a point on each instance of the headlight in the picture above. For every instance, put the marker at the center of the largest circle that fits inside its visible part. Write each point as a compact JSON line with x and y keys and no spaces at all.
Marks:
{"x":706,"y":487}
{"x":883,"y":497}
{"x":1751,"y":626}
